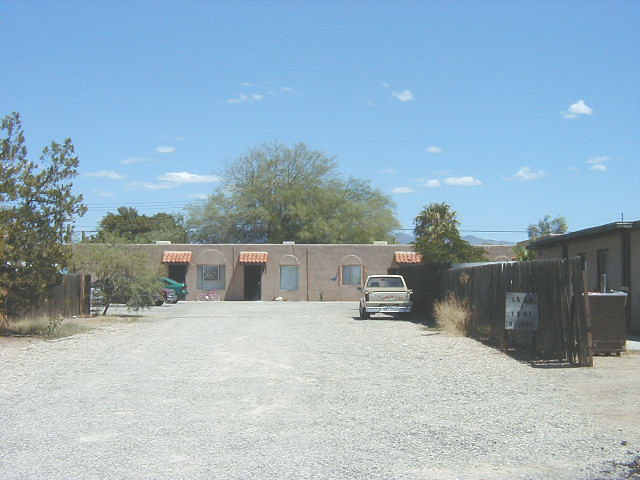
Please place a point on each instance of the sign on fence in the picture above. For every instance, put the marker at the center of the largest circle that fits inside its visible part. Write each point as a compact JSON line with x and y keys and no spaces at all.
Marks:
{"x":521,"y":311}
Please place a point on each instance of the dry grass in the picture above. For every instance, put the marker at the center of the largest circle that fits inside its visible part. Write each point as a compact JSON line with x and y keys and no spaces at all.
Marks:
{"x":43,"y":327}
{"x":452,"y":315}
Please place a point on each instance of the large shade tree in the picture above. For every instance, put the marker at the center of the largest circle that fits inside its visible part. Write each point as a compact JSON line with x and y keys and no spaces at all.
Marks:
{"x":130,"y":226}
{"x":276,"y":193}
{"x":37,"y":208}
{"x":438,"y":238}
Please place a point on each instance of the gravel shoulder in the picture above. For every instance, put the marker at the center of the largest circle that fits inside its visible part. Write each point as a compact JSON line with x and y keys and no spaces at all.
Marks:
{"x":279,"y":390}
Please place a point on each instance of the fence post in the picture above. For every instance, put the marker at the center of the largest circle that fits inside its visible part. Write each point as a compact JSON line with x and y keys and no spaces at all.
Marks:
{"x":586,"y":339}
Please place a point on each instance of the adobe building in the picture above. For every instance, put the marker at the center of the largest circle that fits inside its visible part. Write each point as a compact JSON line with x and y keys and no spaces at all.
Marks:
{"x":268,"y":271}
{"x":612,"y":249}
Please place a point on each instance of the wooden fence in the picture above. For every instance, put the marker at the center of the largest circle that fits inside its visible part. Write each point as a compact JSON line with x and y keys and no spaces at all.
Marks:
{"x":564,"y":323}
{"x":70,"y":298}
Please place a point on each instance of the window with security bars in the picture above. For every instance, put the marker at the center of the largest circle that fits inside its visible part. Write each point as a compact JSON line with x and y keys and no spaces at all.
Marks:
{"x":352,"y":275}
{"x":288,"y":277}
{"x":211,"y":277}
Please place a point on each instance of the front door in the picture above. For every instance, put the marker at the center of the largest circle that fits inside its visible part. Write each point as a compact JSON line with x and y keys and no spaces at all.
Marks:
{"x":252,"y":282}
{"x":178,"y":272}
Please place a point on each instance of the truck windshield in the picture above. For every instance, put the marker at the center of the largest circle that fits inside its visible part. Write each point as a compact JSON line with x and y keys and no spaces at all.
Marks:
{"x":385,"y":282}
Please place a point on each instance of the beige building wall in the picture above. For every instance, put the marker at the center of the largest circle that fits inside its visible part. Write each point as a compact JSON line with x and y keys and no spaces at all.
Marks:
{"x":320,"y":268}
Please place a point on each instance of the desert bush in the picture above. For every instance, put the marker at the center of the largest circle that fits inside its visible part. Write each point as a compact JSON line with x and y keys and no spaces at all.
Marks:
{"x":452,"y":315}
{"x":43,"y":327}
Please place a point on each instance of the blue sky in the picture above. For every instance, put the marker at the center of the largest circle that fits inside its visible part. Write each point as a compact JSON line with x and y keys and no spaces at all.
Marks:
{"x":506,"y":110}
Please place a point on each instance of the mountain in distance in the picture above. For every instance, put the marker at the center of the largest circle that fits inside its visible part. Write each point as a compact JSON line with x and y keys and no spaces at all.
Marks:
{"x":473,"y":240}
{"x":405,"y":238}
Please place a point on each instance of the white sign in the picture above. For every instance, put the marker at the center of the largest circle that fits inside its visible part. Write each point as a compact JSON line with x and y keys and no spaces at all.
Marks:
{"x":521,"y":311}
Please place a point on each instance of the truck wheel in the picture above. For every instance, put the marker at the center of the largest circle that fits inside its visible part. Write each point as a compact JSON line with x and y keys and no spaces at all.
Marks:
{"x":363,"y":314}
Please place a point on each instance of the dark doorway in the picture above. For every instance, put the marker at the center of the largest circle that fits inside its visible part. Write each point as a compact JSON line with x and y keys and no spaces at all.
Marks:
{"x":178,"y":272}
{"x":252,"y":282}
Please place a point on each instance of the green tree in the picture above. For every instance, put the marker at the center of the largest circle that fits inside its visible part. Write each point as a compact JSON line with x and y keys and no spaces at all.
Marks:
{"x":37,"y":209}
{"x":277,"y":193}
{"x":132,"y":227}
{"x":547,"y":226}
{"x":438,"y":238}
{"x":122,"y":272}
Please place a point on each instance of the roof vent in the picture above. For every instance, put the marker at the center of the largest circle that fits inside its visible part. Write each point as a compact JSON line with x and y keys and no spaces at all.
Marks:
{"x":288,"y":242}
{"x":380,"y":242}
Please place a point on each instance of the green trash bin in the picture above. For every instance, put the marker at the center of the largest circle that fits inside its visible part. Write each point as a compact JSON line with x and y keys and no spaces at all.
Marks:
{"x":608,"y":322}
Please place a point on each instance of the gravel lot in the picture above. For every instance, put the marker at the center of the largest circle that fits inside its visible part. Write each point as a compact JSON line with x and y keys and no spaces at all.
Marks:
{"x":304,"y":390}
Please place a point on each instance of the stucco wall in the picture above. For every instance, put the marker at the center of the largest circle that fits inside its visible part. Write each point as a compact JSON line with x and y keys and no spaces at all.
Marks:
{"x":319,"y":267}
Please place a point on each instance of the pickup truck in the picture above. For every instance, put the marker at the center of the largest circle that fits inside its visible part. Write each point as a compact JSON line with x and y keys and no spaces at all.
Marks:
{"x":385,"y":294}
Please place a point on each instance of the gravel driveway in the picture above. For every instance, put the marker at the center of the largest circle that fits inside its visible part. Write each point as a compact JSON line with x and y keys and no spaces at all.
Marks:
{"x":236,"y":390}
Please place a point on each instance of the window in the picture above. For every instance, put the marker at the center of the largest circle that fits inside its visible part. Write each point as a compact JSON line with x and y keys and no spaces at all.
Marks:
{"x":288,"y":277}
{"x":211,"y":277}
{"x":386,"y":282}
{"x":351,"y":275}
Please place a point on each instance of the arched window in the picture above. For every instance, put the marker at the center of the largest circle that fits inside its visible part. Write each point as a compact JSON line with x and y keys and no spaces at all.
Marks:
{"x":351,"y":270}
{"x":289,"y":273}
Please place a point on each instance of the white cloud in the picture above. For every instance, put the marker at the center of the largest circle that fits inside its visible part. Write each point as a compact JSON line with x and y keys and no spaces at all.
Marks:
{"x":371,"y":103}
{"x":133,"y":160}
{"x":186,"y":177}
{"x":199,"y":196}
{"x":462,"y":181}
{"x":578,"y":108}
{"x":573,"y":168}
{"x":180,"y":139}
{"x":388,"y":171}
{"x":433,"y":183}
{"x":526,"y":174}
{"x":165,"y":149}
{"x":242,"y":98}
{"x":286,"y":89}
{"x":385,"y":85}
{"x":403,"y":96}
{"x":110,"y":174}
{"x":152,"y":186}
{"x":598,"y":163}
{"x":401,"y":190}
{"x":247,"y":84}
{"x":239,"y":99}
{"x":433,"y":149}
{"x":598,"y":159}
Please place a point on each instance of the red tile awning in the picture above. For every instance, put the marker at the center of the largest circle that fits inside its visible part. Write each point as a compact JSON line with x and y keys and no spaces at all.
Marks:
{"x":253,"y":257}
{"x":408,"y":257}
{"x":176,"y":257}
